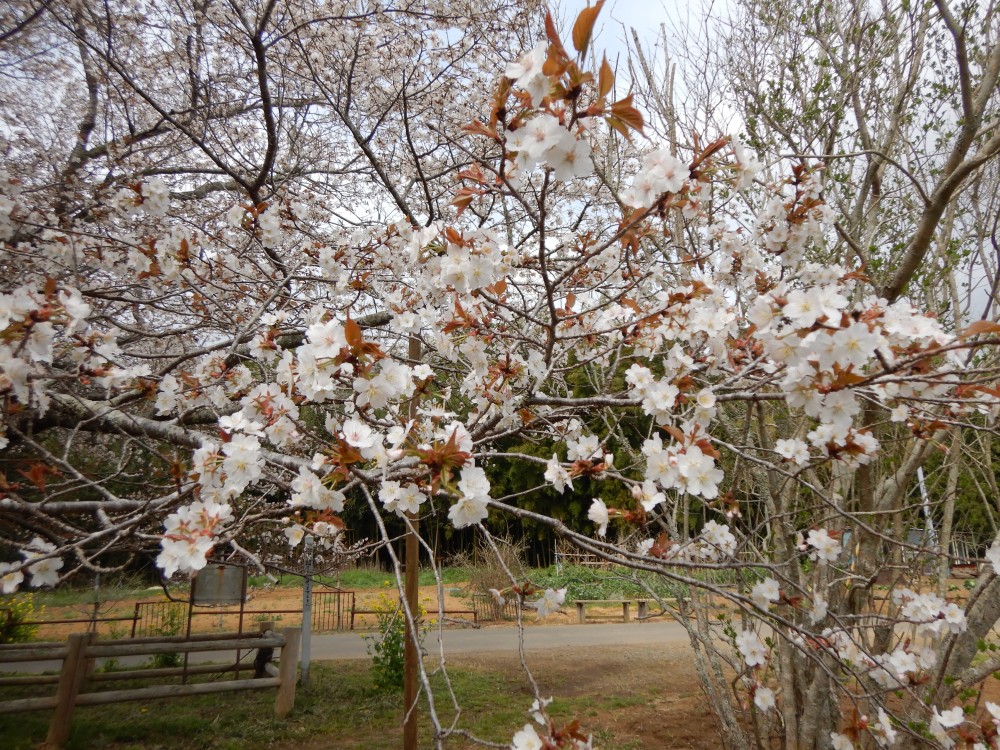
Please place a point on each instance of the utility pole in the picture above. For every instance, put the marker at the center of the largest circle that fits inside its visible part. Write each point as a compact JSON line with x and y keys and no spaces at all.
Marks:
{"x":411,"y":652}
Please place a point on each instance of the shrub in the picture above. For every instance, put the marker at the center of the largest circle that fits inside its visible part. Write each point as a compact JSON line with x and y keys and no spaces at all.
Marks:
{"x":387,"y":648}
{"x":488,"y":569}
{"x":14,"y":614}
{"x":582,"y":582}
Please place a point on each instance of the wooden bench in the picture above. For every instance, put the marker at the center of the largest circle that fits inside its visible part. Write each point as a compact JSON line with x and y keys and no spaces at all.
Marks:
{"x":643,"y":607}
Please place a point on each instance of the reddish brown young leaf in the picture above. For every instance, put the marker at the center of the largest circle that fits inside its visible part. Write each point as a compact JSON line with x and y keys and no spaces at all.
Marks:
{"x":628,"y":114}
{"x":995,"y":392}
{"x":846,"y":379}
{"x":606,"y":79}
{"x":497,"y":289}
{"x":478,"y":128}
{"x":709,"y":151}
{"x":333,"y":520}
{"x":36,"y":474}
{"x":708,"y":449}
{"x":464,"y":197}
{"x":980,"y":326}
{"x":352,"y":332}
{"x":674,"y":432}
{"x":555,"y":43}
{"x":455,"y":237}
{"x":583,"y":29}
{"x":631,"y":304}
{"x":555,"y":65}
{"x":474,"y":173}
{"x":442,"y":459}
{"x":618,"y":125}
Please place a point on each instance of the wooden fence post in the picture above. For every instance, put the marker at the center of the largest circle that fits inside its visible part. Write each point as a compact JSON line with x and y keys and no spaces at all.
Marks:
{"x":264,"y":655}
{"x":70,"y":681}
{"x":285,"y":701}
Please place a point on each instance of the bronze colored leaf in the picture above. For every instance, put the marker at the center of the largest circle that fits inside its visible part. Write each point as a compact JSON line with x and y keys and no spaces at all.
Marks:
{"x":606,"y":79}
{"x":352,"y":332}
{"x":628,"y":114}
{"x":583,"y":29}
{"x":980,"y":326}
{"x":675,"y":433}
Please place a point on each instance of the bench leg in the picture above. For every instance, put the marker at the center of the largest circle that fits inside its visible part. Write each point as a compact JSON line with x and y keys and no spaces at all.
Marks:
{"x":581,"y":617}
{"x":626,"y":606}
{"x":643,"y":610}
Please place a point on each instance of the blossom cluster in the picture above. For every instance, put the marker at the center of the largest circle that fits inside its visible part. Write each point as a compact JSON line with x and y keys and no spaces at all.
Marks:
{"x":191,"y":534}
{"x":543,"y":140}
{"x":40,"y":560}
{"x":687,"y":469}
{"x":661,"y":172}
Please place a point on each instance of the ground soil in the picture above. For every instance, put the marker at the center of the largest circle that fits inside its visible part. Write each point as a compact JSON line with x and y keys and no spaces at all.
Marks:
{"x":677,"y":717}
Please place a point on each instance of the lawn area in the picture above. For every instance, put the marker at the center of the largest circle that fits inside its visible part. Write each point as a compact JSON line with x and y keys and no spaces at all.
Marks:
{"x":340,"y":708}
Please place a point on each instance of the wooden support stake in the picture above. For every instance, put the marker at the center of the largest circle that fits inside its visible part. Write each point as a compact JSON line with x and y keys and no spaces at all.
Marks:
{"x":285,"y":701}
{"x":70,"y":682}
{"x":411,"y":654}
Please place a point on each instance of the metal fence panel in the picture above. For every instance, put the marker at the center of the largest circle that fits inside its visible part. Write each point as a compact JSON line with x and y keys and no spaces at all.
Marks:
{"x":332,"y":610}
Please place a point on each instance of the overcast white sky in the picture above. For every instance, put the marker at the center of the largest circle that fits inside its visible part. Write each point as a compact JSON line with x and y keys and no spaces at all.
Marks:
{"x":616,"y":18}
{"x":645,"y":16}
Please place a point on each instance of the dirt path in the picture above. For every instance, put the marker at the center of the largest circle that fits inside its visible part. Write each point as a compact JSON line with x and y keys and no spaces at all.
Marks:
{"x":678,"y":716}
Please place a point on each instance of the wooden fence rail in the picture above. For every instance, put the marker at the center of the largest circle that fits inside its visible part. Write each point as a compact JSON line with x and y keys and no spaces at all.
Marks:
{"x":79,"y":653}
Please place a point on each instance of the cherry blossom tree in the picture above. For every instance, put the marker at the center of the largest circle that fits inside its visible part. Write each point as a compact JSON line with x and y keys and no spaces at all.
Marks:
{"x":270,"y":260}
{"x":864,"y":90}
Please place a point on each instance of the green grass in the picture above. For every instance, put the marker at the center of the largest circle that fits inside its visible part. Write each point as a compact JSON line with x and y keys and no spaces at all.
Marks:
{"x":64,"y":596}
{"x":371,"y":578}
{"x":359,"y":578}
{"x":362,"y":578}
{"x":340,"y":708}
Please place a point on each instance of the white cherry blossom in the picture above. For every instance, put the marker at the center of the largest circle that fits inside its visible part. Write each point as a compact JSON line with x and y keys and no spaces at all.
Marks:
{"x":10,"y":578}
{"x":752,"y":648}
{"x":765,"y":592}
{"x":557,"y":475}
{"x":527,"y":739}
{"x":993,"y":557}
{"x":598,"y":513}
{"x":550,"y":601}
{"x":763,"y":698}
{"x":825,"y":548}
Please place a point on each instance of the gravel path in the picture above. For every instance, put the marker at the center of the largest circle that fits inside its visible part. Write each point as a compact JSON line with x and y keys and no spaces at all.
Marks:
{"x":351,"y":645}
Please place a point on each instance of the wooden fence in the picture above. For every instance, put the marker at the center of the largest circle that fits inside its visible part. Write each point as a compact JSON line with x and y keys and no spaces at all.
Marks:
{"x":77,"y":673}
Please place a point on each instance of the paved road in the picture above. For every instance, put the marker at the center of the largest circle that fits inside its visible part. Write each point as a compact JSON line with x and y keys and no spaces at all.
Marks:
{"x":352,"y":645}
{"x":493,"y":639}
